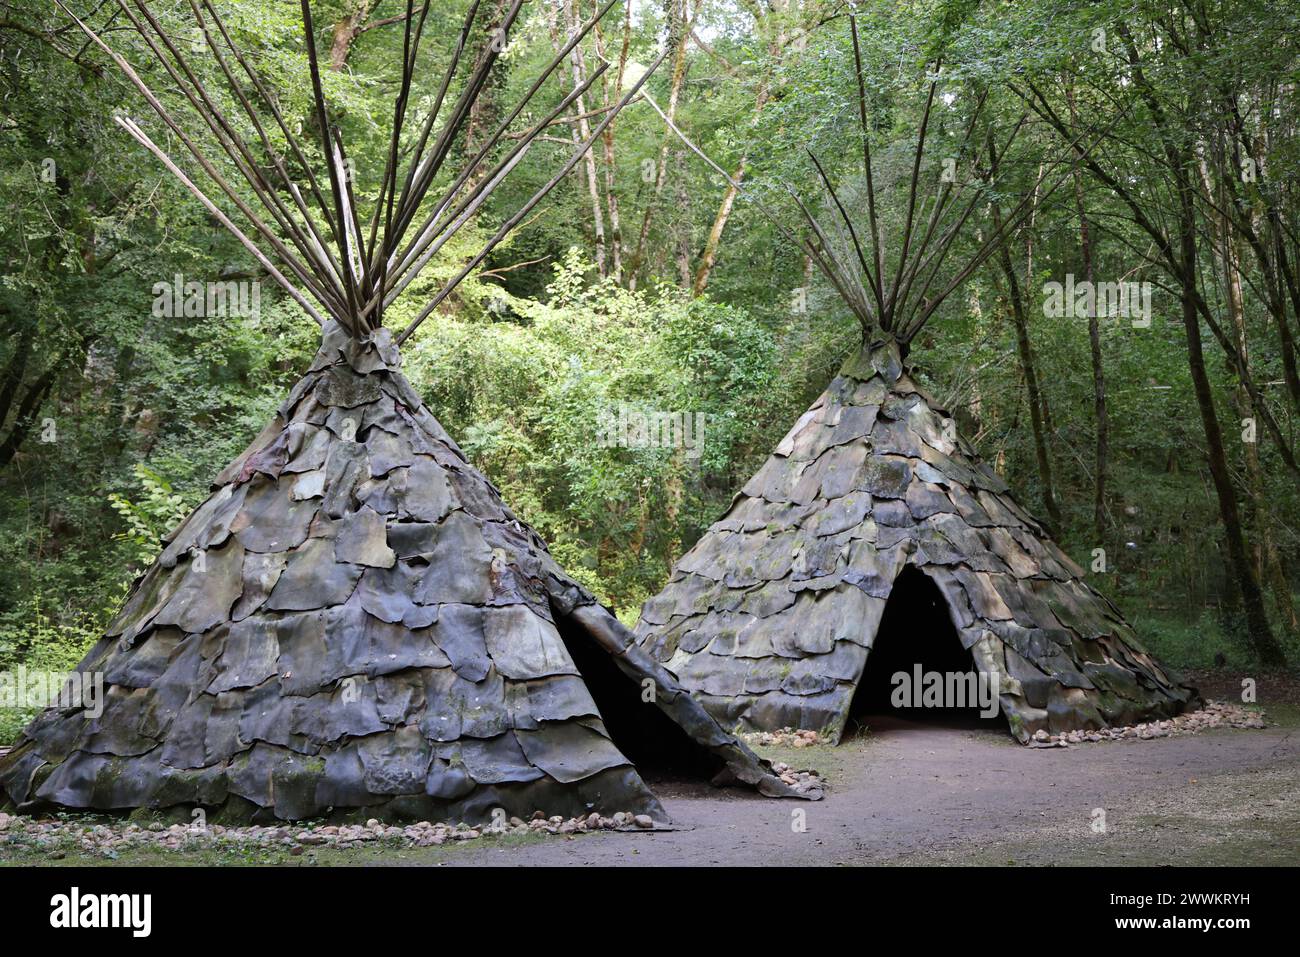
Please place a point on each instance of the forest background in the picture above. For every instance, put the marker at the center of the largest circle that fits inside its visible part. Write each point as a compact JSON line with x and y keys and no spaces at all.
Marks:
{"x":1160,"y":448}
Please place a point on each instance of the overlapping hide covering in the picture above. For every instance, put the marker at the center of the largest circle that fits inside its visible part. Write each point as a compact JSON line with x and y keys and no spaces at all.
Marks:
{"x":769,"y":620}
{"x":354,"y":621}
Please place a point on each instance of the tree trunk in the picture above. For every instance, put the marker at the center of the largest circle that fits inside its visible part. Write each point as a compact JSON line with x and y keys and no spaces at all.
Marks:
{"x":15,"y":369}
{"x":1286,"y":339}
{"x":1032,"y":394}
{"x":711,"y":245}
{"x":1101,"y":415}
{"x":709,"y":257}
{"x":1267,"y":564}
{"x":581,"y":132}
{"x":607,"y":142}
{"x":1258,"y":631}
{"x":684,"y":224}
{"x":485,"y":111}
{"x":681,"y":32}
{"x":345,"y":32}
{"x":31,"y":403}
{"x":1184,"y":261}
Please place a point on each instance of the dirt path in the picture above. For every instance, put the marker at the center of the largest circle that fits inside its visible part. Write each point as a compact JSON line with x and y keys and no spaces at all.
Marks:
{"x":909,"y":794}
{"x":925,"y":794}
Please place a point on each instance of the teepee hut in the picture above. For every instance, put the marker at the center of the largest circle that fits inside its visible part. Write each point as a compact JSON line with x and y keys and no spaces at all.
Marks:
{"x":874,"y":522}
{"x":353,"y":622}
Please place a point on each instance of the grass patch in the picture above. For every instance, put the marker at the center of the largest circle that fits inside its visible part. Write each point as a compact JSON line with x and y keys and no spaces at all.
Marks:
{"x":826,"y":759}
{"x":1185,"y":644}
{"x":1284,"y":714}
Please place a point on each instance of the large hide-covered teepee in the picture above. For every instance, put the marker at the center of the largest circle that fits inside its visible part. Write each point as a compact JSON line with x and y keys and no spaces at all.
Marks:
{"x":354,"y":619}
{"x":353,"y":622}
{"x":771,"y":618}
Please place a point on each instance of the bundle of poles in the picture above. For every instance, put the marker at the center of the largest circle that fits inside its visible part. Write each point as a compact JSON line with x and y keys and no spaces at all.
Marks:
{"x":898,"y":301}
{"x":332,"y":260}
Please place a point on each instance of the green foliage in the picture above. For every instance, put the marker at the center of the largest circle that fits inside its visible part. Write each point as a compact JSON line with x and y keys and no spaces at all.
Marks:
{"x":43,"y":635}
{"x":152,"y":515}
{"x":528,"y":401}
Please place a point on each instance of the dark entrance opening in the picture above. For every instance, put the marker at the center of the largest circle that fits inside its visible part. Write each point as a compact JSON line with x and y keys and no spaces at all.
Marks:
{"x":916,"y":630}
{"x":655,"y":744}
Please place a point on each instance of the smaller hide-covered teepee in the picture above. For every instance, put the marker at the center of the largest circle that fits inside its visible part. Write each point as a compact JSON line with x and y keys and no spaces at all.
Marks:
{"x":772,"y":618}
{"x":353,"y":623}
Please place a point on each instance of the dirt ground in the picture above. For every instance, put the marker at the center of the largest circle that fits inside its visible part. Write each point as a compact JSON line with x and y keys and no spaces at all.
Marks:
{"x":927,"y":794}
{"x":909,"y":793}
